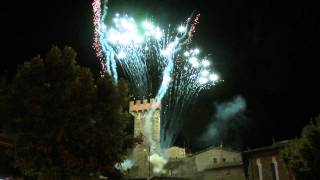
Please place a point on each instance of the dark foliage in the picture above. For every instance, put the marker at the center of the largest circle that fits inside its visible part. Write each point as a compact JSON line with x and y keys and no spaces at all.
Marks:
{"x":65,"y":124}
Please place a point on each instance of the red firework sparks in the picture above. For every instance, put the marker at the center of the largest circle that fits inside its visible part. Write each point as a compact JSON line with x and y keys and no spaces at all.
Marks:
{"x":193,"y":27}
{"x":96,"y":5}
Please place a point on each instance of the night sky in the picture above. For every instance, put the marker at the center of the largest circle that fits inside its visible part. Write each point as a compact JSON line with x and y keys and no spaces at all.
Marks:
{"x":266,"y":51}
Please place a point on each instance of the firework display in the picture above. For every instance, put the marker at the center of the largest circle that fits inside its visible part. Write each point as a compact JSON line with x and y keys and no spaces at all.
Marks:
{"x":155,"y":60}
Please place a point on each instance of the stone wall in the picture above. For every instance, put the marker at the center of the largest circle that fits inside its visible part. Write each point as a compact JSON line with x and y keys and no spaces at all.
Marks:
{"x":176,"y":152}
{"x":229,"y":172}
{"x":215,"y":156}
{"x":212,"y":163}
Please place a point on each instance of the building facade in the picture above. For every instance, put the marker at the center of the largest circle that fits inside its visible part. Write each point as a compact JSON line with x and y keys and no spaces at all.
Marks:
{"x":266,"y":163}
{"x":213,"y":163}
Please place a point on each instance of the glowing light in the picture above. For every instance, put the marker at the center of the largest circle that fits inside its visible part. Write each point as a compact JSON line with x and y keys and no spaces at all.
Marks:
{"x":148,"y":25}
{"x":158,"y":33}
{"x":205,"y":73}
{"x":213,"y":77}
{"x":125,"y":33}
{"x":103,"y":27}
{"x":193,"y":60}
{"x":196,"y":51}
{"x":205,"y":63}
{"x":166,"y":79}
{"x":203,"y":80}
{"x":121,"y":55}
{"x":170,"y":49}
{"x":181,"y":29}
{"x":187,"y":54}
{"x":195,"y":64}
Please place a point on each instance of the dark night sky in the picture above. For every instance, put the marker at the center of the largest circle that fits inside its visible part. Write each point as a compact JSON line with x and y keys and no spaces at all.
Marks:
{"x":265,"y":51}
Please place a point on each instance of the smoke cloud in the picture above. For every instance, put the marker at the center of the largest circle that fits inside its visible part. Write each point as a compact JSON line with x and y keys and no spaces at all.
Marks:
{"x":228,"y":110}
{"x":158,"y":163}
{"x":125,"y":165}
{"x":226,"y":116}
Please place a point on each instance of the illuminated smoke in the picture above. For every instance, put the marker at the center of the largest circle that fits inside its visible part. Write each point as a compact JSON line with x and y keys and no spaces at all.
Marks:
{"x":125,"y":165}
{"x":225,"y":112}
{"x":158,"y":163}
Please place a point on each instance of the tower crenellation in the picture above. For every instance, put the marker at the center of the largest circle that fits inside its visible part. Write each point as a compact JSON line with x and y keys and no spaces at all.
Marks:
{"x":144,"y":105}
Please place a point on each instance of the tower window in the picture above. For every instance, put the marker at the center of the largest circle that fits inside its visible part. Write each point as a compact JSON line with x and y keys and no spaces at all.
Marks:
{"x":259,"y":169}
{"x":215,"y":160}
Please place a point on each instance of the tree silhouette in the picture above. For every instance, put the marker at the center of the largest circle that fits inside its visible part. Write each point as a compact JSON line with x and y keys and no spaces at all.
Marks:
{"x":65,"y":124}
{"x":302,"y":156}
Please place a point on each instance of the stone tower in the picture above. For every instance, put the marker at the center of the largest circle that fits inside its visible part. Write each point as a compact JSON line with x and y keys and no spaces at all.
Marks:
{"x":139,"y":109}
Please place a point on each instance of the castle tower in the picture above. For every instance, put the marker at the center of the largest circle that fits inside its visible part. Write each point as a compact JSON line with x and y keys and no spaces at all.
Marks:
{"x":139,"y":109}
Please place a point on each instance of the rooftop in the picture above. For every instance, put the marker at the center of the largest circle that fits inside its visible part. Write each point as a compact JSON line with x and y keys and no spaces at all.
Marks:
{"x":216,"y":148}
{"x":274,"y":146}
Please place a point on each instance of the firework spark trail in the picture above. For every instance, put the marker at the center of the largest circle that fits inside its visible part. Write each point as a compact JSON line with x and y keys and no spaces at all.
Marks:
{"x":130,"y":56}
{"x":96,"y":5}
{"x":104,"y":54}
{"x":171,"y":50}
{"x":192,"y":29}
{"x":170,"y":55}
{"x":192,"y":74}
{"x":110,"y":52}
{"x":133,"y":49}
{"x":139,"y":49}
